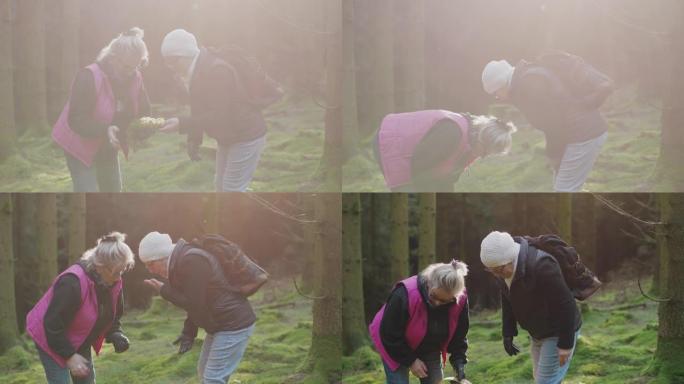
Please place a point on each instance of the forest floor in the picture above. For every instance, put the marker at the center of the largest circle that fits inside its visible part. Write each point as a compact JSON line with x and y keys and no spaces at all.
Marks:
{"x":625,"y":164}
{"x":289,"y":162}
{"x":275,"y":353}
{"x":617,"y":342}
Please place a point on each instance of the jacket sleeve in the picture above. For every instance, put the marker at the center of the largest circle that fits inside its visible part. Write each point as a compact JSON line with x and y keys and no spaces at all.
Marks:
{"x":393,"y":327}
{"x":116,"y":324}
{"x":191,"y":295}
{"x":560,"y":300}
{"x":508,"y":322}
{"x":221,"y":93}
{"x":441,"y":142}
{"x":458,"y":345}
{"x":82,"y":106}
{"x":66,"y":301}
{"x":189,"y":328}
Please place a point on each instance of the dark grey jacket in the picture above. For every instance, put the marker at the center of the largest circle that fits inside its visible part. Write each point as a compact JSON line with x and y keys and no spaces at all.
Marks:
{"x":548,"y":106}
{"x":539,"y":300}
{"x":198,"y":285}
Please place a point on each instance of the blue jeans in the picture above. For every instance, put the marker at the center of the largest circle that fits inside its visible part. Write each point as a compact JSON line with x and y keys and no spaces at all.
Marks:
{"x":221,"y":354}
{"x":58,"y":375}
{"x":577,"y":162}
{"x":545,"y":365}
{"x":104,"y":175}
{"x":401,"y":375}
{"x":235,"y":164}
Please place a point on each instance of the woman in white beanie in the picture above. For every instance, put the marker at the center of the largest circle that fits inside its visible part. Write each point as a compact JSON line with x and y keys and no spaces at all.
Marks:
{"x":559,"y":94}
{"x":197,"y":284}
{"x":105,"y":98}
{"x":221,"y":107}
{"x":426,"y":151}
{"x":424,"y":319}
{"x":534,"y":295}
{"x":81,"y":310}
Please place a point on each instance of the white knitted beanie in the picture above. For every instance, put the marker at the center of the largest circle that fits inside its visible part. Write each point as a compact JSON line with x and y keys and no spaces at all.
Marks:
{"x":155,"y":246}
{"x":179,"y":42}
{"x":498,"y":249}
{"x":497,"y":75}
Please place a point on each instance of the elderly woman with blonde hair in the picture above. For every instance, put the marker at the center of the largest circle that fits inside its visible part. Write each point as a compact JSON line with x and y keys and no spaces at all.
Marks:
{"x":424,"y":319}
{"x":80,"y":311}
{"x":106,"y":97}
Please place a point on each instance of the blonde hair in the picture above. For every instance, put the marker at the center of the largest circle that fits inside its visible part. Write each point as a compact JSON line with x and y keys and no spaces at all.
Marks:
{"x":447,"y":276}
{"x":111,"y":251}
{"x":495,"y":135}
{"x":127,"y":44}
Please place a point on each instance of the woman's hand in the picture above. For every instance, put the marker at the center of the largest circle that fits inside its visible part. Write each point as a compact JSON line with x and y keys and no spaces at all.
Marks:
{"x":112,"y":133}
{"x":563,"y":356}
{"x":419,"y":369}
{"x":170,"y":125}
{"x":78,"y":366}
{"x":155,"y":284}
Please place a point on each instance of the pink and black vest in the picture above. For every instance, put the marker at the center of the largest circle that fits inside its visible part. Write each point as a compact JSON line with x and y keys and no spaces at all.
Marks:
{"x":417,"y":323}
{"x":399,"y":135}
{"x":84,"y":320}
{"x":82,"y":148}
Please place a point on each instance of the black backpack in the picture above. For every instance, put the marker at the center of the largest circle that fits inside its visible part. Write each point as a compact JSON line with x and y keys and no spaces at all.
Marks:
{"x":580,"y":78}
{"x":581,"y":281}
{"x":242,"y":273}
{"x":256,"y":86}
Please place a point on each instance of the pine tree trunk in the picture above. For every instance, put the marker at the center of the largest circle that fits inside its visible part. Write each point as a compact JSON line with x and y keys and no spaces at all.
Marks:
{"x":373,"y":21}
{"x":427,"y":235}
{"x":353,"y":319}
{"x":377,"y":254}
{"x":9,"y":331}
{"x":564,"y":216}
{"x":670,"y":350}
{"x":399,"y":247}
{"x":62,"y":42}
{"x":76,"y":232}
{"x":46,"y":222}
{"x":584,"y":228}
{"x":350,"y":118}
{"x":8,"y":132}
{"x":409,"y":55}
{"x":325,"y":354}
{"x":30,"y":93}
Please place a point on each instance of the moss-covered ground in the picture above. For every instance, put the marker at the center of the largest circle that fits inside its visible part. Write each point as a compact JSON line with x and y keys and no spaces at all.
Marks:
{"x":275,"y":353}
{"x":289,"y":162}
{"x":625,"y":164}
{"x":616,"y":346}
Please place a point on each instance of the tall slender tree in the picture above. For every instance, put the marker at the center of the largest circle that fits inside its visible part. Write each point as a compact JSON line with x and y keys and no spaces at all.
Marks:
{"x":30,"y":92}
{"x":670,"y":238}
{"x":427,"y":236}
{"x":62,"y":43}
{"x":409,"y":55}
{"x":564,"y":216}
{"x":9,"y":331}
{"x":353,"y":318}
{"x":7,"y":127}
{"x":325,"y":353}
{"x":76,"y":231}
{"x":399,"y":244}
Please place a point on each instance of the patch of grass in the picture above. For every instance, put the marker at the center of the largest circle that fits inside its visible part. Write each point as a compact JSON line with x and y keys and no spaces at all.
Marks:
{"x":624,"y":165}
{"x":289,"y":162}
{"x":614,"y":348}
{"x":276,"y":350}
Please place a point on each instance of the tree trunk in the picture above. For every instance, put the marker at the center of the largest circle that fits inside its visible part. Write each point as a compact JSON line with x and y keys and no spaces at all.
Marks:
{"x":30,"y":92}
{"x":332,"y":152}
{"x":46,"y":223}
{"x":375,"y":243}
{"x":9,"y":331}
{"x":670,"y":235}
{"x":353,"y":319}
{"x":409,"y":55}
{"x":76,"y":231}
{"x":62,"y":42}
{"x":672,"y":137}
{"x":399,"y":243}
{"x":350,"y":118}
{"x":564,"y":216}
{"x":7,"y":128}
{"x":325,"y":353}
{"x":373,"y":21}
{"x":584,"y":228}
{"x":427,"y":235}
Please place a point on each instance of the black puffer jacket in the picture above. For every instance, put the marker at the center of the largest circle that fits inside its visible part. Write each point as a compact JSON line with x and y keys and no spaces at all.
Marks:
{"x":197,"y":284}
{"x":539,"y":300}
{"x":548,"y":106}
